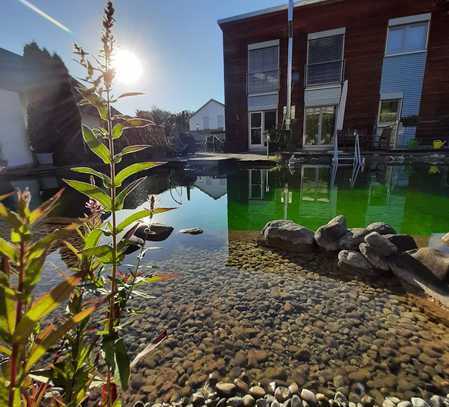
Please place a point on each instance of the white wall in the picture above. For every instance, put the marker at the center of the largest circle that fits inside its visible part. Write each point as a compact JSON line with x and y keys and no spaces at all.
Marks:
{"x":14,"y":147}
{"x":208,"y":117}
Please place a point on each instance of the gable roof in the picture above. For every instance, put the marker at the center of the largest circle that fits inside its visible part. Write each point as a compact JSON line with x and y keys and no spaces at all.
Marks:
{"x":269,"y":10}
{"x":209,"y":101}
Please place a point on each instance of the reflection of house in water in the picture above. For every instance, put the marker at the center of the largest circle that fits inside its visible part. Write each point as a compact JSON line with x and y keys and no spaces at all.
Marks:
{"x":386,"y":199}
{"x":212,"y":186}
{"x":318,"y":198}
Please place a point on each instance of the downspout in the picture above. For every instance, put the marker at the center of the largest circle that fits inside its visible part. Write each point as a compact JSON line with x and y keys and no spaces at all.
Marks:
{"x":289,"y":65}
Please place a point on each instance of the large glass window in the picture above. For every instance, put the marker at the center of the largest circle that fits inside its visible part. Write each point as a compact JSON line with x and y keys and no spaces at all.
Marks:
{"x":319,"y":125}
{"x":260,"y":124}
{"x":263,"y":70}
{"x":389,"y":111}
{"x":407,"y":38}
{"x":325,"y":60}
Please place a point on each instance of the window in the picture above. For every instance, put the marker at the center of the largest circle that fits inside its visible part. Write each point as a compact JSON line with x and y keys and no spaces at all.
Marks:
{"x":220,"y":121}
{"x":206,"y":123}
{"x":389,"y":111}
{"x":260,"y":123}
{"x":256,"y":128}
{"x":319,"y":125}
{"x":407,"y":38}
{"x":263,"y":69}
{"x":325,"y":59}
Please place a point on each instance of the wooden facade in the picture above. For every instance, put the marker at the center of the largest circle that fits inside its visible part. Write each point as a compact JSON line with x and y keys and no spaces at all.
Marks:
{"x":366,"y":24}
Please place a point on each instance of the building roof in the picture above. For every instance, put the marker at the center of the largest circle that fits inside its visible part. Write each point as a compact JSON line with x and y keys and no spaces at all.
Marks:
{"x":209,"y":101}
{"x":269,"y":10}
{"x":12,"y":73}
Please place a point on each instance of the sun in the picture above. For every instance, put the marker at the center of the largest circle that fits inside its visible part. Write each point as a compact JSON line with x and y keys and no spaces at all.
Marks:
{"x":128,"y":68}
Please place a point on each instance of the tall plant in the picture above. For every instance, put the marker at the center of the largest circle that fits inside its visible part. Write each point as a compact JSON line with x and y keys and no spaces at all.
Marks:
{"x":111,"y":196}
{"x":23,"y":338}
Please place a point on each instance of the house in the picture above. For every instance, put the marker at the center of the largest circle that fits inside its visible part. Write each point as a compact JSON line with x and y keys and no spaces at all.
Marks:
{"x":210,"y":116}
{"x":14,"y":144}
{"x":393,"y":53}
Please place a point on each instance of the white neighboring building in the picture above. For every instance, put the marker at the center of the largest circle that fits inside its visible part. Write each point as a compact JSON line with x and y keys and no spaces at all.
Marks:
{"x":14,"y":144}
{"x":210,"y":116}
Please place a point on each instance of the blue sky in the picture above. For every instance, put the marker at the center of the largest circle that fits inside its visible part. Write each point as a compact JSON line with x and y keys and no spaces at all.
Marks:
{"x":178,"y":41}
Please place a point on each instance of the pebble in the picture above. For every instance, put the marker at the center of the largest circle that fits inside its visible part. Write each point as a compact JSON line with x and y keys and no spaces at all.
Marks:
{"x":404,"y":404}
{"x":257,"y":392}
{"x":282,"y":394}
{"x":248,"y":400}
{"x":293,"y":388}
{"x":418,"y":402}
{"x":295,"y":401}
{"x":226,"y":389}
{"x":308,"y":396}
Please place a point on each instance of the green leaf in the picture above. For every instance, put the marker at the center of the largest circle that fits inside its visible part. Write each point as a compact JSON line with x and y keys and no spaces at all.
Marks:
{"x":43,"y":210}
{"x":122,"y":363}
{"x":92,"y":238}
{"x":87,"y":170}
{"x":11,"y":217}
{"x":50,"y":340}
{"x":7,"y":249}
{"x":132,"y":218}
{"x":129,"y":150}
{"x":8,"y":301}
{"x":5,"y":349}
{"x":127,"y":94}
{"x":120,"y":198}
{"x":44,"y":306}
{"x":117,"y":131}
{"x":91,"y":191}
{"x":131,"y":170}
{"x":98,"y":251}
{"x":95,"y":145}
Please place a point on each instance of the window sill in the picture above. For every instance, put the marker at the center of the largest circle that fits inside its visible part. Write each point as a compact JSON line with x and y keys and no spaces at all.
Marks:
{"x":330,"y":85}
{"x":275,"y":92}
{"x":405,"y":53}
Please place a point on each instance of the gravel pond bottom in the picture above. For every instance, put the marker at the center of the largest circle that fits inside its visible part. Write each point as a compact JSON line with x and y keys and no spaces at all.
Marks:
{"x":248,"y":309}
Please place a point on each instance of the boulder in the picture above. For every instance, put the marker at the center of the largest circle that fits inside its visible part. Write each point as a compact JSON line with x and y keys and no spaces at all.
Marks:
{"x":380,"y":244}
{"x":329,"y":235}
{"x":347,"y":242}
{"x":287,"y":235}
{"x":381,"y":228}
{"x":373,"y":258}
{"x":156,"y":232}
{"x":353,"y":259}
{"x":191,"y":231}
{"x":445,"y":239}
{"x":435,"y":260}
{"x":402,"y":242}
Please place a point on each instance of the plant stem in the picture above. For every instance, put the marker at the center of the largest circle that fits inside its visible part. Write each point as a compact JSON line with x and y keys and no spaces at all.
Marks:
{"x":14,"y":361}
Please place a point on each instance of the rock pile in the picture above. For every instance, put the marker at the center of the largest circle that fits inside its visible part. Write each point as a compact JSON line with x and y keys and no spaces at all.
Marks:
{"x":376,"y":248}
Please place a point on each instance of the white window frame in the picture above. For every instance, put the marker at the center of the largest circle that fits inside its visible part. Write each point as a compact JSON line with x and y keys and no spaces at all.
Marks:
{"x":262,"y":127}
{"x":263,"y":176}
{"x":259,"y":45}
{"x":325,"y":34}
{"x":317,"y":146}
{"x":386,"y":98}
{"x":405,"y":21}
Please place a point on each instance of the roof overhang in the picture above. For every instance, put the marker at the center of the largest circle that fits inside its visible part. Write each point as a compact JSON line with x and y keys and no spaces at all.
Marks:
{"x":300,"y":3}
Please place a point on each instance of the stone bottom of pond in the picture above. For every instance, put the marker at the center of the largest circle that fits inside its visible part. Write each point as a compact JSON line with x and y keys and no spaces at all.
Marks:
{"x":249,"y":310}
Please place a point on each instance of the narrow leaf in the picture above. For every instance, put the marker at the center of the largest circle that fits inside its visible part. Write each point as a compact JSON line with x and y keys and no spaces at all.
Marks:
{"x":117,"y":131}
{"x":131,"y":170}
{"x":122,"y":363}
{"x":92,"y":238}
{"x":43,"y":210}
{"x":95,"y":145}
{"x":133,"y":218}
{"x":98,"y":251}
{"x":44,"y":305}
{"x":8,"y":302}
{"x":53,"y":337}
{"x":5,"y":350}
{"x":91,"y":171}
{"x":7,"y":249}
{"x":127,"y":94}
{"x":120,"y":199}
{"x":134,"y":149}
{"x":91,"y":191}
{"x":148,"y":349}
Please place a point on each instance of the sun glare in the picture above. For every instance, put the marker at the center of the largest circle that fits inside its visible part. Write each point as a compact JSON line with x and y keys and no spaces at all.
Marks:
{"x":128,"y":68}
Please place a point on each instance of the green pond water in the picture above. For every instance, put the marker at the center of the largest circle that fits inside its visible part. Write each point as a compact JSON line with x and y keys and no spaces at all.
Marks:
{"x":222,"y":201}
